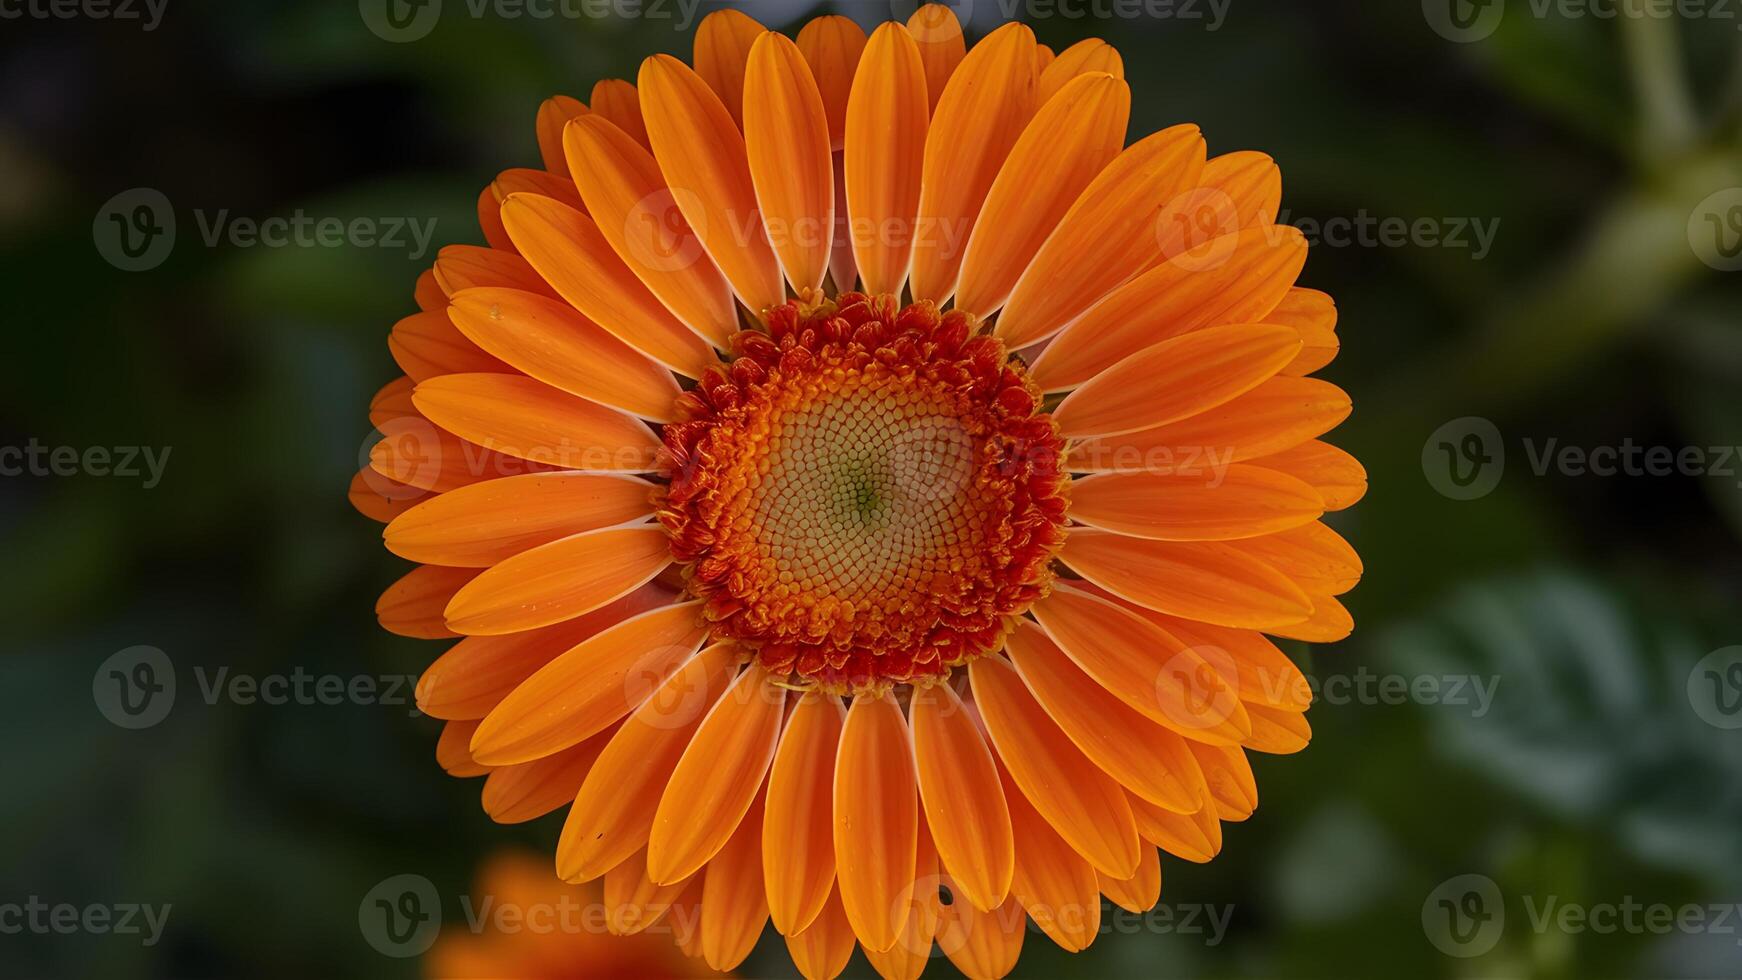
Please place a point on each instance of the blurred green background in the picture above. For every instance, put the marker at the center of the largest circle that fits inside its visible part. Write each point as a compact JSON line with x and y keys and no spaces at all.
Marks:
{"x":1598,"y":609}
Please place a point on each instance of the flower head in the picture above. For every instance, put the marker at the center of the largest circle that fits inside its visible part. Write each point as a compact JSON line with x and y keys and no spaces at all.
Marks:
{"x":865,"y":489}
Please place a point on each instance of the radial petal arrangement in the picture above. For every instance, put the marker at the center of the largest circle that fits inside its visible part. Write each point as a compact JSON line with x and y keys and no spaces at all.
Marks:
{"x":867,"y":492}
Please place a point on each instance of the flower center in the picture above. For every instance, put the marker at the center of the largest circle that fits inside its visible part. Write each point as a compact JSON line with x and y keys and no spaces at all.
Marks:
{"x":865,"y":495}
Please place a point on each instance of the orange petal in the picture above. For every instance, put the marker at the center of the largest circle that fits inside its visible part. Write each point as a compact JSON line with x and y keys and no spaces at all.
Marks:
{"x":1213,"y":582}
{"x":1314,"y":556}
{"x":1044,"y":56}
{"x":1139,"y":892}
{"x":415,"y":453}
{"x":798,"y":844}
{"x":490,"y":221}
{"x":833,"y":44}
{"x":876,"y":820}
{"x":1056,"y":885}
{"x":1237,"y":190}
{"x":531,"y":420}
{"x":701,"y":152}
{"x":720,"y":775}
{"x":643,"y":220}
{"x":786,"y":134}
{"x":617,"y":101}
{"x":613,"y":812}
{"x":887,"y":113}
{"x":1338,"y":477}
{"x":453,"y":751}
{"x":1196,"y":837}
{"x":412,"y":606}
{"x":1143,"y":665}
{"x":841,"y":268}
{"x":584,"y":690}
{"x":529,"y":790}
{"x":980,"y":115}
{"x":1069,"y":141}
{"x":941,"y":46}
{"x":428,"y":293}
{"x":553,"y":114}
{"x":559,"y":581}
{"x":1241,"y":501}
{"x":525,"y":180}
{"x":460,"y":267}
{"x":567,"y":248}
{"x":1237,"y":278}
{"x":734,"y":909}
{"x":983,"y":945}
{"x":1314,"y":314}
{"x":480,"y":525}
{"x":1229,"y":777}
{"x":425,"y":345}
{"x":1139,"y":754}
{"x":1329,"y":623}
{"x":1260,"y":672}
{"x":822,"y":950}
{"x":1107,"y":237}
{"x":907,"y":959}
{"x":393,"y":400}
{"x":548,"y":340}
{"x":475,"y":674}
{"x":381,"y":498}
{"x":964,"y":803}
{"x":633,"y":902}
{"x":1085,"y":57}
{"x":1279,"y":414}
{"x":1082,"y":803}
{"x":1278,"y":732}
{"x":722,"y":46}
{"x":1176,"y":379}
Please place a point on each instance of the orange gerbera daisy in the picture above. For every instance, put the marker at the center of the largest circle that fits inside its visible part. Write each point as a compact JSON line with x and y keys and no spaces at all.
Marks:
{"x":864,"y":486}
